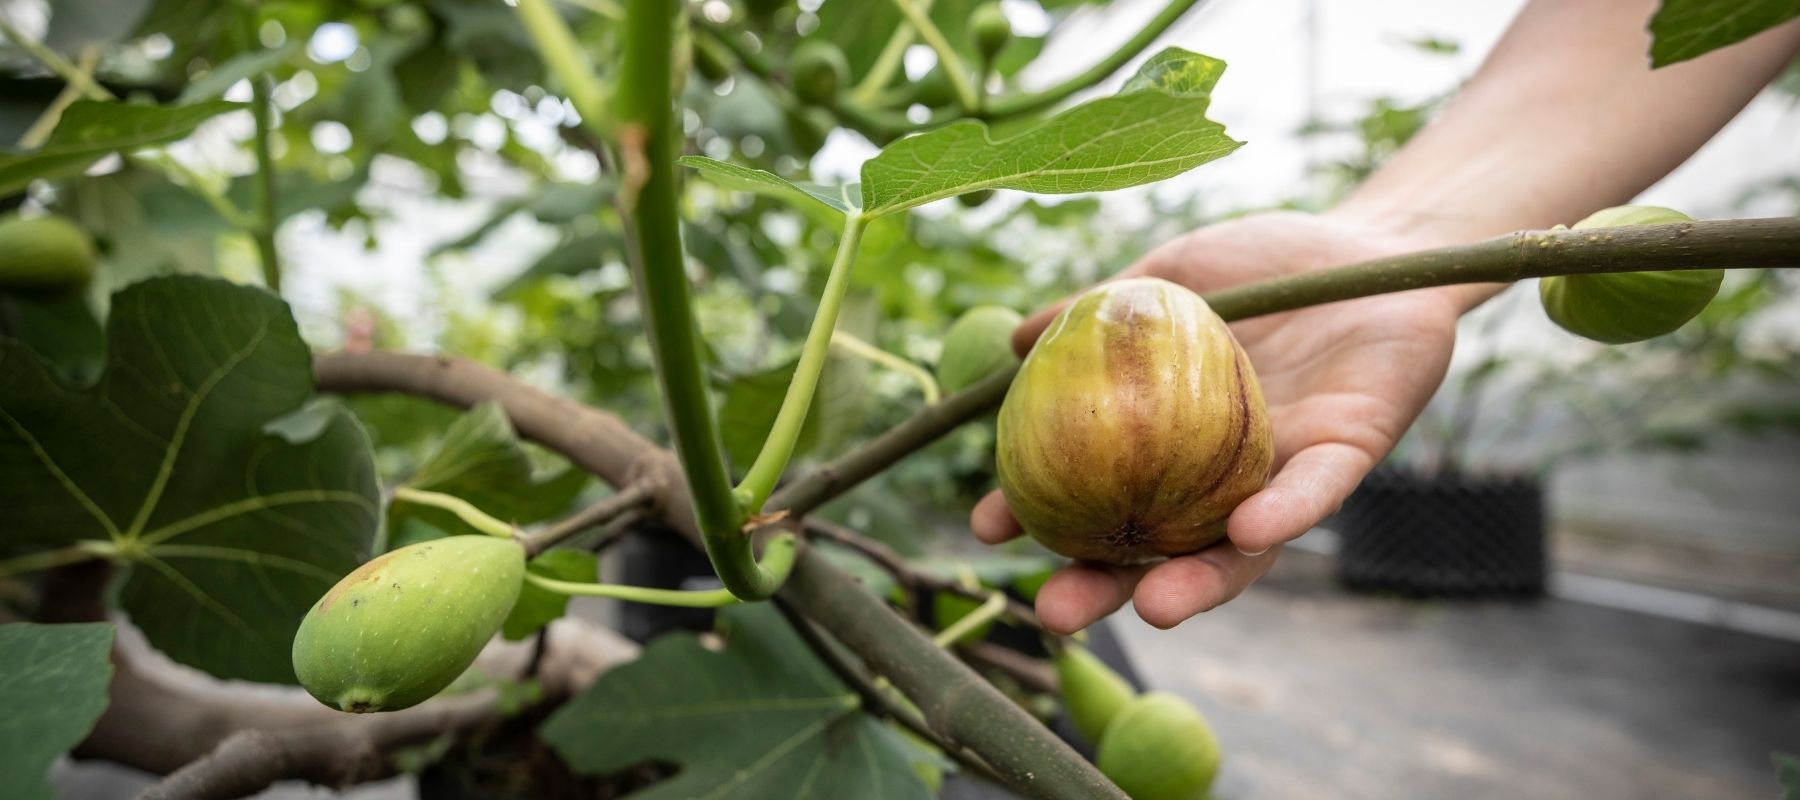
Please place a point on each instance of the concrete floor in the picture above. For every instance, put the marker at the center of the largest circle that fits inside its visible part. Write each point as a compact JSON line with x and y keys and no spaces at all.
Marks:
{"x":1316,"y":694}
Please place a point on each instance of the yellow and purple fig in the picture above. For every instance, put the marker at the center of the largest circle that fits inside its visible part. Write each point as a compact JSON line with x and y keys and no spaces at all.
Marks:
{"x":1134,"y":427}
{"x":402,"y":626}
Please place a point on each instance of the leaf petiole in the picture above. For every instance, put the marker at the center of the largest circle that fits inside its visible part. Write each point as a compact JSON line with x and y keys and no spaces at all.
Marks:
{"x":778,"y":559}
{"x":463,"y":509}
{"x":854,"y":345}
{"x":983,"y":614}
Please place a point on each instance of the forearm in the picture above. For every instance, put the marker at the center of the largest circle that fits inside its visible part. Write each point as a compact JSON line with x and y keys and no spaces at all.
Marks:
{"x":1564,"y":117}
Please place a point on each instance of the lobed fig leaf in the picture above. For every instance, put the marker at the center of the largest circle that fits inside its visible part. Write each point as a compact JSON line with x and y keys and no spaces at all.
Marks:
{"x":1624,"y":307}
{"x":1159,"y":748}
{"x":978,"y":344}
{"x":402,"y":626}
{"x":44,"y":253}
{"x":1092,"y":692}
{"x":1134,"y":427}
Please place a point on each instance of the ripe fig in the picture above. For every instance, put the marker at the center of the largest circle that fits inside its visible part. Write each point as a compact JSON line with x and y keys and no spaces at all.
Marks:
{"x":978,"y":344}
{"x":400,"y":628}
{"x":1134,"y":427}
{"x":1622,"y":307}
{"x":1159,"y":748}
{"x":44,"y":253}
{"x":1092,"y":692}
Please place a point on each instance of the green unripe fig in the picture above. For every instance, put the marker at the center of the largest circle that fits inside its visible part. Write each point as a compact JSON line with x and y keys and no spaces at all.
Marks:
{"x":1134,"y":427}
{"x":1159,"y":748}
{"x":933,"y":90}
{"x":990,"y":29}
{"x":808,"y":128}
{"x":401,"y":627}
{"x":1092,"y":692}
{"x":978,"y":344}
{"x":1623,"y":307}
{"x":816,"y":70}
{"x":44,"y":253}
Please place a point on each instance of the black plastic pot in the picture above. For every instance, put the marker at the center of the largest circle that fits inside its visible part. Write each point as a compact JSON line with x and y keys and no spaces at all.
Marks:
{"x":1443,"y":535}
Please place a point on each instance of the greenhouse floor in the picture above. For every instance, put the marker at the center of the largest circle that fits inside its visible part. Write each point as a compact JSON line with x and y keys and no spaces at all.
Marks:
{"x":1320,"y":694}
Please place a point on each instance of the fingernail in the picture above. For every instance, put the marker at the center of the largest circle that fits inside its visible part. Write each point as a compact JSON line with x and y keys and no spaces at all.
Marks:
{"x":1252,"y":553}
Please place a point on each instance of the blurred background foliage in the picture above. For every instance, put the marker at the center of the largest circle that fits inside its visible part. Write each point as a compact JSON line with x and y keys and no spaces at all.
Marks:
{"x":425,"y":130}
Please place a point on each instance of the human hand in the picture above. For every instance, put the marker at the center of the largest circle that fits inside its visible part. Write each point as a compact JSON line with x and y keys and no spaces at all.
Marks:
{"x":1343,"y":381}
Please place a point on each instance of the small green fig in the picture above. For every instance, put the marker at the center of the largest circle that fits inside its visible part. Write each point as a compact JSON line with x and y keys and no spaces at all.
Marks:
{"x":1134,"y":427}
{"x":44,"y":253}
{"x":816,"y":70}
{"x":1159,"y":748}
{"x":1092,"y":692}
{"x":402,"y":626}
{"x":978,"y":344}
{"x":990,"y":29}
{"x":1622,"y":307}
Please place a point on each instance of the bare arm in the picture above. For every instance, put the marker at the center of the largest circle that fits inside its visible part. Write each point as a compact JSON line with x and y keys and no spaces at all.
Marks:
{"x":1564,"y":118}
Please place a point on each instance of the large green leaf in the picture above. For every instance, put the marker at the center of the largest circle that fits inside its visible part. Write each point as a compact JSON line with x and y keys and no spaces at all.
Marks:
{"x":1154,"y":128}
{"x":1684,"y":29}
{"x":481,"y":460}
{"x":842,"y":199}
{"x":193,"y":458}
{"x":91,"y":130}
{"x":53,"y":686}
{"x":760,"y":719}
{"x":1787,"y":773}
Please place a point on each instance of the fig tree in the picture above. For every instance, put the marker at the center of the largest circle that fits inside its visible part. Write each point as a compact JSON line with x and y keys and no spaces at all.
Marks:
{"x":978,"y":344}
{"x":1092,"y":692}
{"x":400,"y":628}
{"x":1159,"y":748}
{"x":44,"y":253}
{"x":1622,"y":307}
{"x":1134,"y":427}
{"x":816,"y":70}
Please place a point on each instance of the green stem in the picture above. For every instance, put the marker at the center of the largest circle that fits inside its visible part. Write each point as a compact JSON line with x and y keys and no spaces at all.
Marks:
{"x":948,"y":60}
{"x":172,"y":167}
{"x":928,"y":385}
{"x":888,"y":62}
{"x":648,"y":139}
{"x":759,"y":481}
{"x":983,"y":614}
{"x":777,"y":558}
{"x":261,"y":109}
{"x":58,"y":65}
{"x":1019,"y":105}
{"x":46,"y":122}
{"x":565,"y":59}
{"x":61,"y":556}
{"x":463,"y":509}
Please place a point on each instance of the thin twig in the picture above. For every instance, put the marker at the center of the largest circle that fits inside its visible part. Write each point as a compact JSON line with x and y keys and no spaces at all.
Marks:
{"x":910,"y":576}
{"x":1031,"y":673}
{"x":630,"y":498}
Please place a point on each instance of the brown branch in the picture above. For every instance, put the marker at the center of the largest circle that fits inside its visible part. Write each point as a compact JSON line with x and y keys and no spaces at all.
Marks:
{"x":955,"y":701}
{"x":171,"y":720}
{"x":1031,"y":673}
{"x":910,"y":576}
{"x":631,"y":498}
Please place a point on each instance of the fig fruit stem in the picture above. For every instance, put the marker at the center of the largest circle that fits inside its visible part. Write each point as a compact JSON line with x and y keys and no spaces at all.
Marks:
{"x":887,"y":63}
{"x":987,"y":612}
{"x":463,"y":509}
{"x":778,"y":557}
{"x":759,"y":481}
{"x":928,"y":385}
{"x":948,"y":60}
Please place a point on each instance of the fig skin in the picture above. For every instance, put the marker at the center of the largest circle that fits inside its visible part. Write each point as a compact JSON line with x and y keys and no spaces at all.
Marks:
{"x":1159,"y":747}
{"x":1625,"y":307}
{"x":401,"y":627}
{"x":45,"y":254}
{"x":1134,"y":427}
{"x":977,"y":345}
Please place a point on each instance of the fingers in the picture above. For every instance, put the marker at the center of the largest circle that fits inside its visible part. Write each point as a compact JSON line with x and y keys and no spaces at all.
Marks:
{"x":1310,"y":487}
{"x":1080,"y":594}
{"x":992,"y":522}
{"x":1177,"y":589}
